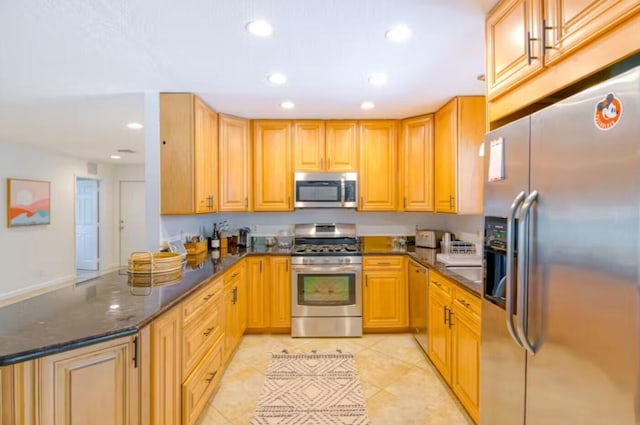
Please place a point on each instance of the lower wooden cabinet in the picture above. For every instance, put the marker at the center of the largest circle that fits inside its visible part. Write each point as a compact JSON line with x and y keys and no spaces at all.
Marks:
{"x":280,"y":268}
{"x":257,"y":291}
{"x":166,"y":368}
{"x":385,"y":295}
{"x":454,"y":339}
{"x":197,"y":389}
{"x":235,"y":305}
{"x":98,"y":381}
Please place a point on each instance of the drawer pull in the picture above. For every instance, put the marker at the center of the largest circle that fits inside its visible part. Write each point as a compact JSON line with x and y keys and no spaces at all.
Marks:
{"x":208,"y":331}
{"x":211,"y":376}
{"x":464,"y":303}
{"x":208,"y":297}
{"x":384,"y":263}
{"x":234,"y":275}
{"x":436,"y":283}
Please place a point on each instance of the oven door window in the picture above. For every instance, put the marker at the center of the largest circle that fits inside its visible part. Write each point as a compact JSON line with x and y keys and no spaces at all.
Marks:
{"x":318,"y":191}
{"x":318,"y":289}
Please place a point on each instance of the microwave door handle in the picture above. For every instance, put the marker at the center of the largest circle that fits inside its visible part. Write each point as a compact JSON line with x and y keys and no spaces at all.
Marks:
{"x":342,"y":186}
{"x":510,"y":258}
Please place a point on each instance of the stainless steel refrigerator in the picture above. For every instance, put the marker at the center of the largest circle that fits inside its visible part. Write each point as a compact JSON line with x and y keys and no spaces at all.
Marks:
{"x":560,"y":317}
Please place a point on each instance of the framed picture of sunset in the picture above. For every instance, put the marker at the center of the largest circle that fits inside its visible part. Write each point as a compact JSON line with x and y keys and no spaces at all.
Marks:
{"x":28,"y":202}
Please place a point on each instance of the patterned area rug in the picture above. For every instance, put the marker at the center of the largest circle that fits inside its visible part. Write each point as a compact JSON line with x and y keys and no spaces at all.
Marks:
{"x":311,"y":389}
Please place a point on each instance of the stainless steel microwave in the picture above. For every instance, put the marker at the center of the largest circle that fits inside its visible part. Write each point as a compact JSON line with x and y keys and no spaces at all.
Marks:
{"x":326,"y":190}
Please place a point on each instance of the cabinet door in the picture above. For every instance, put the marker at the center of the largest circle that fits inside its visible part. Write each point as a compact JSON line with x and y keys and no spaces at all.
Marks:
{"x":230,"y":322}
{"x":273,"y":182}
{"x":439,"y":334}
{"x":234,"y":163}
{"x":98,"y":381}
{"x":177,"y":153}
{"x":166,"y":368}
{"x":466,"y":362}
{"x":572,"y":23}
{"x":384,"y":299}
{"x":308,"y":146}
{"x":417,"y":135}
{"x":378,"y":166}
{"x":513,"y":44}
{"x":256,"y":293}
{"x":280,"y":292}
{"x":341,"y":146}
{"x":446,"y":153}
{"x":241,"y":300}
{"x":206,"y":157}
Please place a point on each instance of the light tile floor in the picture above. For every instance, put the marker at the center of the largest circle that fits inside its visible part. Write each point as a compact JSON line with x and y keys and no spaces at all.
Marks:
{"x":399,"y":384}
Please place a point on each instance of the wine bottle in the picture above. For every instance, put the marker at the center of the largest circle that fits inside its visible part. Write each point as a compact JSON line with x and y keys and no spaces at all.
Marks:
{"x":215,"y":239}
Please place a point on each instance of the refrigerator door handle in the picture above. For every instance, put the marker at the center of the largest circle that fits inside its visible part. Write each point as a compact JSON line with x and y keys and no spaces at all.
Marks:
{"x":523,"y":273}
{"x":509,"y":275}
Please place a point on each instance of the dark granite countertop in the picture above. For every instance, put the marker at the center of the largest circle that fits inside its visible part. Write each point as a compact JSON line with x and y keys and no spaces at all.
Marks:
{"x":108,"y":307}
{"x":427,"y":257}
{"x":103,"y":308}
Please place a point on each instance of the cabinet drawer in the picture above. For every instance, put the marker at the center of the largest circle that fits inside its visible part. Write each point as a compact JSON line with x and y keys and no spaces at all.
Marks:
{"x":439,"y":284}
{"x":466,"y":301}
{"x":197,"y":389}
{"x":200,"y":335}
{"x":201,"y":299}
{"x":385,"y":261}
{"x":233,"y":275}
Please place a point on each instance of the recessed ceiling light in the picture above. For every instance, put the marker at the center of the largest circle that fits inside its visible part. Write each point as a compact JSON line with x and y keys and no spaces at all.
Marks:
{"x":367,"y":105}
{"x":259,"y":28}
{"x":277,"y":78}
{"x":114,"y":306}
{"x":287,"y":104}
{"x":135,"y":125}
{"x":378,"y":79}
{"x":398,"y":33}
{"x":115,"y":156}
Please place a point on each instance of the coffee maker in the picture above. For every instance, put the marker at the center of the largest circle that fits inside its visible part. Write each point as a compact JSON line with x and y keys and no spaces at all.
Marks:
{"x":243,"y":237}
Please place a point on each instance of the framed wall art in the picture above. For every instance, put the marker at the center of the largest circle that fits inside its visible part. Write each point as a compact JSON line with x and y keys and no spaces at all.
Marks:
{"x":28,"y":202}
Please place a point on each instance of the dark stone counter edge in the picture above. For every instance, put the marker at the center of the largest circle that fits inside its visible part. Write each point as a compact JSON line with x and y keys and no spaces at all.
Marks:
{"x":54,"y":349}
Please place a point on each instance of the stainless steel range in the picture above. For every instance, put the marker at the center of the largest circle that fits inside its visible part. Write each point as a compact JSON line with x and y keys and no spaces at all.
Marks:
{"x":326,"y":293}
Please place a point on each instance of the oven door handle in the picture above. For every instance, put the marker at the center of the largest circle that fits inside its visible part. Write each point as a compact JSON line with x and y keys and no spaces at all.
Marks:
{"x":325,"y":269}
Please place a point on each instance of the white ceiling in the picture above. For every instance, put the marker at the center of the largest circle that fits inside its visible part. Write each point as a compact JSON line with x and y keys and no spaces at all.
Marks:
{"x":73,"y":72}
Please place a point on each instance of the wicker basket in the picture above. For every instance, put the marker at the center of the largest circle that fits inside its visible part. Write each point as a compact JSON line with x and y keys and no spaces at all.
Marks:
{"x":194,"y":248}
{"x":154,"y":279}
{"x":156,"y":262}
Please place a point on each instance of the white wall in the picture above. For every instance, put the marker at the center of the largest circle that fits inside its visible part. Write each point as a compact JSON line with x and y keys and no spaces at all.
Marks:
{"x":36,"y":257}
{"x":265,"y":224}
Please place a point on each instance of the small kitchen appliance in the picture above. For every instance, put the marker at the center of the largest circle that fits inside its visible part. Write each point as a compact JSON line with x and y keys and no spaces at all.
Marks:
{"x":428,"y":238}
{"x":243,"y":237}
{"x":326,"y":287}
{"x":325,"y":190}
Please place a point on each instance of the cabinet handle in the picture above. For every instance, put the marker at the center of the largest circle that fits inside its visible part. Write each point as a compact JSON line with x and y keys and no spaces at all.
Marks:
{"x":529,"y":40}
{"x":289,"y":201}
{"x":328,"y":164}
{"x":384,"y":263}
{"x":404,"y":205}
{"x":543,"y":37}
{"x":444,"y":312}
{"x":246,"y":202}
{"x":135,"y":352}
{"x":321,"y":163}
{"x":366,"y":281}
{"x":208,"y":331}
{"x":436,"y":283}
{"x":211,"y":376}
{"x":260,"y":266}
{"x":235,"y":294}
{"x":450,"y":314}
{"x":208,"y":297}
{"x":361,"y":202}
{"x":464,"y":303}
{"x":234,"y":275}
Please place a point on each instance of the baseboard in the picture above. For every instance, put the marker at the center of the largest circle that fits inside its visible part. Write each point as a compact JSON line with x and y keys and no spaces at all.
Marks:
{"x":33,"y":290}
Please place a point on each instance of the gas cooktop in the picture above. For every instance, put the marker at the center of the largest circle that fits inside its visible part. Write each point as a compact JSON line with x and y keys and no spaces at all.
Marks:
{"x":325,"y":240}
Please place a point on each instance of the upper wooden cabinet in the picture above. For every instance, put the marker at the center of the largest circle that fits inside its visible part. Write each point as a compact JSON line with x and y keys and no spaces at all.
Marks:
{"x":308,"y":147}
{"x":512,"y":34}
{"x":528,"y":42}
{"x":273,"y":181}
{"x":572,"y":23}
{"x":459,"y":133}
{"x":378,"y":178}
{"x":235,"y":163}
{"x":417,"y":163}
{"x":188,"y":155}
{"x":325,"y":146}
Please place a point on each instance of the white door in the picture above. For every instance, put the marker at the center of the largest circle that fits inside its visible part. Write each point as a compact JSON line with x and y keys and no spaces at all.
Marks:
{"x":132,"y":205}
{"x":87,"y":224}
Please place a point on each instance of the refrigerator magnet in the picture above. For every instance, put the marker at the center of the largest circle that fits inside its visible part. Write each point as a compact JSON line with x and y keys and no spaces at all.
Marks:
{"x":608,"y":112}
